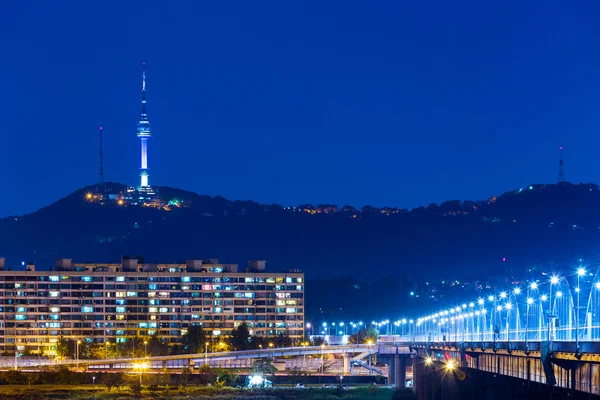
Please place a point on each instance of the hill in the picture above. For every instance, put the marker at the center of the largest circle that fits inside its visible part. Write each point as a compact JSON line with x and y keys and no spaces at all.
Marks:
{"x":539,"y":226}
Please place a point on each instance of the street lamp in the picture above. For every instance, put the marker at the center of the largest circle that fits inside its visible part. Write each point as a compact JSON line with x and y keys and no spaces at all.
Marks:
{"x":322,"y":359}
{"x":580,"y":273}
{"x":78,"y":343}
{"x":304,"y":355}
{"x":145,"y":348}
{"x":106,"y":345}
{"x":206,"y":353}
{"x":553,"y":281}
{"x":140,"y":367}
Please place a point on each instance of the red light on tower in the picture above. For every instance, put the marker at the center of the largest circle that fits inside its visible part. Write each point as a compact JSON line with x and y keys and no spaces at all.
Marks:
{"x":503,"y":259}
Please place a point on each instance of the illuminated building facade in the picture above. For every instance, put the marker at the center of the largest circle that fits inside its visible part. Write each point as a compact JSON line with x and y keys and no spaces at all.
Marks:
{"x":104,"y":303}
{"x":144,"y":132}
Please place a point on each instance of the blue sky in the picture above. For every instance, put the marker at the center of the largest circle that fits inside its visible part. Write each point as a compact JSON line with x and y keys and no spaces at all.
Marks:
{"x":381,"y":103}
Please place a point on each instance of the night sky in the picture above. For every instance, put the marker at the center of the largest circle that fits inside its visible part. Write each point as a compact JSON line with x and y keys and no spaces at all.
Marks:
{"x":383,"y":103}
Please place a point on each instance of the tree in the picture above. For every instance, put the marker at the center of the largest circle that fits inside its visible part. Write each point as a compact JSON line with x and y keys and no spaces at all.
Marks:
{"x":194,"y":340}
{"x":364,"y":336}
{"x":317,"y":341}
{"x":27,"y":351}
{"x":157,"y":347}
{"x":283,"y":340}
{"x":240,"y":337}
{"x":263,"y":366}
{"x":65,"y":348}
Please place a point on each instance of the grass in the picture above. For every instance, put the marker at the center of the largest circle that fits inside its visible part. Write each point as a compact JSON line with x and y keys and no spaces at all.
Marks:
{"x":100,"y":392}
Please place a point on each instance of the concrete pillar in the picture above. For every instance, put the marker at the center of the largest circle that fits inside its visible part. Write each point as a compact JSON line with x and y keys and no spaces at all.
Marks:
{"x":346,"y":369}
{"x":416,"y":374}
{"x":164,"y":366}
{"x":448,"y":387}
{"x":191,"y":365}
{"x":399,"y":371}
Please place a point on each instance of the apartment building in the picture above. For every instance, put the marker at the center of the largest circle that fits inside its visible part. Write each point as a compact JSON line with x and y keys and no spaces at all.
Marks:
{"x":113,"y":302}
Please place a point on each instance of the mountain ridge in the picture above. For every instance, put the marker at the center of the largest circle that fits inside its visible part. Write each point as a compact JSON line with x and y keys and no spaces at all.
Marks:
{"x":322,"y":239}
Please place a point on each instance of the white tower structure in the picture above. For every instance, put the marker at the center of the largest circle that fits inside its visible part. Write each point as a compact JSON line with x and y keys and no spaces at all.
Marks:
{"x":144,"y":132}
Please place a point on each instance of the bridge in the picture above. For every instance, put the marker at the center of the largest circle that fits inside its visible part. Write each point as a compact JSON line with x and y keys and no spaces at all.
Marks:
{"x":351,"y":354}
{"x":544,"y":334}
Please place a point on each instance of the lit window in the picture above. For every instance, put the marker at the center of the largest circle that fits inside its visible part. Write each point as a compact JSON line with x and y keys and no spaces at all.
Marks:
{"x":86,"y":278}
{"x":120,"y":279}
{"x":54,"y":316}
{"x":20,"y":317}
{"x":54,"y":279}
{"x":185,"y":279}
{"x":54,"y":309}
{"x":120,"y":294}
{"x":120,"y":309}
{"x":54,"y":294}
{"x":163,"y":309}
{"x":21,"y":309}
{"x":132,"y":294}
{"x":87,"y":309}
{"x":152,"y":309}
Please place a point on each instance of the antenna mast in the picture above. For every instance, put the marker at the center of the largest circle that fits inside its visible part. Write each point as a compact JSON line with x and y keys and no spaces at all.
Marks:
{"x":561,"y":171}
{"x":101,"y":160}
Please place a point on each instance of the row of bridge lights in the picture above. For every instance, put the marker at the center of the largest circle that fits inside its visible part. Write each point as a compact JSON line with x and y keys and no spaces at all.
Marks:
{"x":461,"y":310}
{"x":359,"y":325}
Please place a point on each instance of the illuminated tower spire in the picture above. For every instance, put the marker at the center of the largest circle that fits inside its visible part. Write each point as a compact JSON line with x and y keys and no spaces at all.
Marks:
{"x":101,"y":160}
{"x":144,"y":133}
{"x":561,"y":171}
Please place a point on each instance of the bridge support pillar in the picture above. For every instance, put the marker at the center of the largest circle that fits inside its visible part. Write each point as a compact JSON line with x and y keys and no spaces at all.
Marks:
{"x":346,"y":365}
{"x":191,"y":365}
{"x":398,"y":372}
{"x":416,"y":372}
{"x":164,"y":366}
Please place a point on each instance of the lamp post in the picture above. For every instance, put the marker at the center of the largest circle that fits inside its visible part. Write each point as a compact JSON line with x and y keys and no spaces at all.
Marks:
{"x":77,"y":353}
{"x":145,"y":348}
{"x":369,"y":343}
{"x":553,"y":281}
{"x":106,"y":345}
{"x":322,"y":360}
{"x":580,"y":273}
{"x":272,"y":352}
{"x":304,"y":355}
{"x":206,"y":353}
